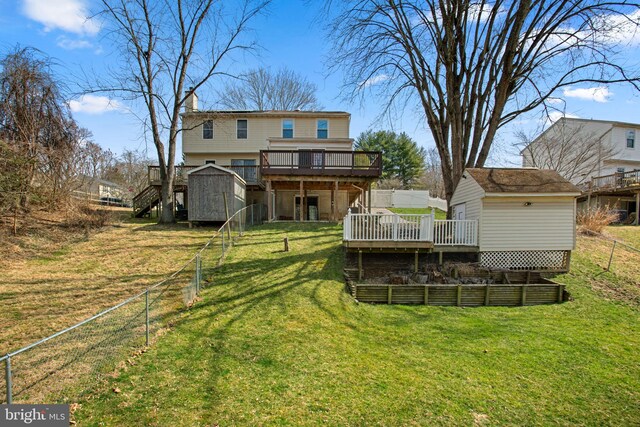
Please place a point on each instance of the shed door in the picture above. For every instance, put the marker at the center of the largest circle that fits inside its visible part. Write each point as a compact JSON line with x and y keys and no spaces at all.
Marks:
{"x":459,"y":211}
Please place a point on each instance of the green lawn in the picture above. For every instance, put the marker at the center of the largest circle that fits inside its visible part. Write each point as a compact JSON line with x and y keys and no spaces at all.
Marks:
{"x":419,"y":211}
{"x":276,"y":340}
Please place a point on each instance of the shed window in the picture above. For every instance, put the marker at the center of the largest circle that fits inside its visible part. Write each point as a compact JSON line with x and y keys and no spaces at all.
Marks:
{"x":323,"y":129}
{"x":241,"y":129}
{"x":287,"y":128}
{"x":207,"y":129}
{"x":631,"y":139}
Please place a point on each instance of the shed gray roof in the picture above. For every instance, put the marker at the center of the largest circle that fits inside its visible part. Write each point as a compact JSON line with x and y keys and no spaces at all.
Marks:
{"x":521,"y":180}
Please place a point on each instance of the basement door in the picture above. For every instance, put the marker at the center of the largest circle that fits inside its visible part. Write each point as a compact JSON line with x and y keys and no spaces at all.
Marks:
{"x":312,"y":209}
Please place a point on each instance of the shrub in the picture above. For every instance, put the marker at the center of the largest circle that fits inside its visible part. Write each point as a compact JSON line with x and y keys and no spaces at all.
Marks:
{"x":593,"y":221}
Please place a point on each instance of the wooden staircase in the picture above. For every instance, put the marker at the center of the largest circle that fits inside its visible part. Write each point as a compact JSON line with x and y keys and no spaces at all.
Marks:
{"x":146,"y":200}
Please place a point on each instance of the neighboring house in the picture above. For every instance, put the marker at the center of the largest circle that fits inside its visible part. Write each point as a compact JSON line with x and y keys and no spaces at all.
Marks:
{"x":580,"y":149}
{"x":299,"y":164}
{"x":101,"y":190}
{"x":526,"y":217}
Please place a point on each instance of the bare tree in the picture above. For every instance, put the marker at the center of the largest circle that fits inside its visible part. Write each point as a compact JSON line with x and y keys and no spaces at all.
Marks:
{"x":165,"y":47}
{"x":569,"y":148}
{"x":474,"y":66}
{"x":130,"y":170}
{"x":263,"y":90}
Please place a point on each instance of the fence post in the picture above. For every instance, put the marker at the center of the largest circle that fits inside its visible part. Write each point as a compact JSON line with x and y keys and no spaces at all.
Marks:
{"x":7,"y":367}
{"x":198,"y":277}
{"x":252,"y":214}
{"x":611,"y":256}
{"x":146,"y":317}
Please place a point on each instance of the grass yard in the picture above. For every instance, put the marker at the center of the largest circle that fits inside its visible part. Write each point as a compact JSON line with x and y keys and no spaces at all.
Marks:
{"x":276,"y":341}
{"x":46,"y":292}
{"x":419,"y":211}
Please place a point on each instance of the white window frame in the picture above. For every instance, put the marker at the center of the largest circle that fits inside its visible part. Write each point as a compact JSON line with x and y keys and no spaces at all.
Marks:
{"x":293,"y":128}
{"x":318,"y":128}
{"x":203,"y":128}
{"x":630,"y":132}
{"x":246,"y":129}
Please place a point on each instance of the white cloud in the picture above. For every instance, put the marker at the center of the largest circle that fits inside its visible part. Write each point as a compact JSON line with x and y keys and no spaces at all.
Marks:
{"x":67,"y":15}
{"x":597,"y":94}
{"x":554,"y":116}
{"x":92,"y":104}
{"x":72,"y":44}
{"x":372,"y":81}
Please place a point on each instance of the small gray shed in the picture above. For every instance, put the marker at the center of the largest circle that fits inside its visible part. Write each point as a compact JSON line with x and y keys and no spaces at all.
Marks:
{"x":208,"y":186}
{"x":526,"y":216}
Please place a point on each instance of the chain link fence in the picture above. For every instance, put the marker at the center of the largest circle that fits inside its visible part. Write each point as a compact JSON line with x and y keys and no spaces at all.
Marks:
{"x":66,"y":365}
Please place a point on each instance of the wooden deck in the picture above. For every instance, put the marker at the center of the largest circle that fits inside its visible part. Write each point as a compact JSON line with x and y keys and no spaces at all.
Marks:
{"x":321,"y":163}
{"x":409,"y":233}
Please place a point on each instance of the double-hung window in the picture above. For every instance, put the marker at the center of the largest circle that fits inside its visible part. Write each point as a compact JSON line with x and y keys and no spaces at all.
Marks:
{"x":241,"y":129}
{"x":631,"y":139}
{"x":323,"y":129}
{"x":207,"y":129}
{"x":287,"y":128}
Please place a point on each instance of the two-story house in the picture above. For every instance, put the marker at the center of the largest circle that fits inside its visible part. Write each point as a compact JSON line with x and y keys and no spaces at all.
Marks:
{"x":299,"y":164}
{"x":580,"y":149}
{"x":601,"y":157}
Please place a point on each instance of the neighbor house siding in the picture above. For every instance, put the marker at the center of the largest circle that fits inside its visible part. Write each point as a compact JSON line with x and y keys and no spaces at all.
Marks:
{"x":469,"y":192}
{"x":508,"y":225}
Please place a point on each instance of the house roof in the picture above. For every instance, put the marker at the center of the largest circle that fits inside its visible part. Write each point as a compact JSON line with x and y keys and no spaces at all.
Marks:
{"x":268,"y":113}
{"x":521,"y":181}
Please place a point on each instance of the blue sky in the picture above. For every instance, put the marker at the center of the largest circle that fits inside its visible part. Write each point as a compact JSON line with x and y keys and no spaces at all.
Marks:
{"x":290,"y":35}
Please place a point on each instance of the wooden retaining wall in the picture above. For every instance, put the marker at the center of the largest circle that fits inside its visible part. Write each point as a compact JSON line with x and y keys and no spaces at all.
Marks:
{"x":466,"y":295}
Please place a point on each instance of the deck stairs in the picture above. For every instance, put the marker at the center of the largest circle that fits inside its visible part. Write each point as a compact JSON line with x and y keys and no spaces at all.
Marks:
{"x":146,"y":200}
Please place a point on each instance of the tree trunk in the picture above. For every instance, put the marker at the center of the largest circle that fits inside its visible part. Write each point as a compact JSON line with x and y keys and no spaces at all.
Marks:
{"x":166,"y":215}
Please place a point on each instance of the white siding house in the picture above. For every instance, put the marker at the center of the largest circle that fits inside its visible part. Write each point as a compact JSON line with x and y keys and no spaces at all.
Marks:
{"x":526,"y":217}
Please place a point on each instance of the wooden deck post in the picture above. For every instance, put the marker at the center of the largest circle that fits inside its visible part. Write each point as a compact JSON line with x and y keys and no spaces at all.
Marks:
{"x":389,"y":293}
{"x":334,"y":206}
{"x":636,"y":222}
{"x":426,"y":294}
{"x":486,"y":294}
{"x":415,"y":262}
{"x":301,"y":200}
{"x":369,"y":198}
{"x":269,"y":201}
{"x":459,"y":296}
{"x":524,"y":295}
{"x":360,"y":272}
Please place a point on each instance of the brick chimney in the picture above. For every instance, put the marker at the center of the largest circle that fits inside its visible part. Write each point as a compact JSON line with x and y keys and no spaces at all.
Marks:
{"x":191,"y":103}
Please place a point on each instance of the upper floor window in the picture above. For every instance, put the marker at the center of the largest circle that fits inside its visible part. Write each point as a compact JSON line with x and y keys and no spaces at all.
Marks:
{"x":207,"y":129}
{"x":631,"y":139}
{"x":323,"y":129}
{"x":287,"y":128}
{"x":241,"y":129}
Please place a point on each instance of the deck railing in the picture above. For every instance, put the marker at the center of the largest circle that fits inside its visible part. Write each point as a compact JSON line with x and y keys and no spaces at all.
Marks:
{"x":388,"y":227}
{"x":455,"y":232}
{"x":410,"y":228}
{"x":250,"y":173}
{"x":321,"y":162}
{"x":613,"y":181}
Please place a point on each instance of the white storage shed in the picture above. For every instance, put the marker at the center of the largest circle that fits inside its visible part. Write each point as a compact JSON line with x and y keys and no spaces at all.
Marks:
{"x":526,"y":217}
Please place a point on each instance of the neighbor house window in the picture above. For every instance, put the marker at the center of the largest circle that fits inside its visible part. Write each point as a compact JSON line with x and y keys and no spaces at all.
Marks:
{"x":241,"y":129}
{"x":287,"y":128}
{"x":631,"y":139}
{"x":209,"y":162}
{"x":323,"y":129}
{"x":207,"y":129}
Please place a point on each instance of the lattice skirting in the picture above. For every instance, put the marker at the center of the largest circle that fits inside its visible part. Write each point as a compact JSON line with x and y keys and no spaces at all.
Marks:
{"x":526,"y":260}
